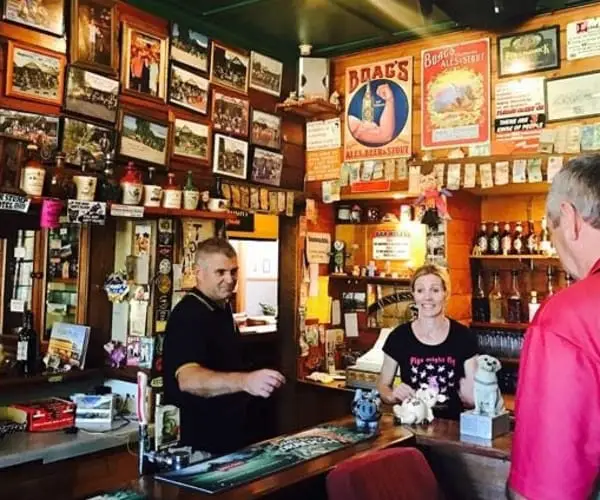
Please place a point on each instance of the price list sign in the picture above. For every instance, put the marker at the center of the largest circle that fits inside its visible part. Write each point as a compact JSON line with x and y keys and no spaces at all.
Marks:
{"x":391,"y":245}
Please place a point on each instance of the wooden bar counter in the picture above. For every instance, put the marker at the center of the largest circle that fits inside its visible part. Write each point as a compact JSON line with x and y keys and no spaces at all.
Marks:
{"x":464,"y":470}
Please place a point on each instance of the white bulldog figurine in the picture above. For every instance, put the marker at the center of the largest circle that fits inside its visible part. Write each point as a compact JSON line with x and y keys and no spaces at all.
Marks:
{"x":415,"y":410}
{"x":488,"y":399}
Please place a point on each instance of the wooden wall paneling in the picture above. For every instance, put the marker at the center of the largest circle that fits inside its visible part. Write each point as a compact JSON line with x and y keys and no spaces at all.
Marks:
{"x":515,"y":208}
{"x":139,"y":17}
{"x":33,"y":37}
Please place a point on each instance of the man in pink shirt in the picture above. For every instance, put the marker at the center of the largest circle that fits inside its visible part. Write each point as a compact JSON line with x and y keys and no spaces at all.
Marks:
{"x":556,"y":445}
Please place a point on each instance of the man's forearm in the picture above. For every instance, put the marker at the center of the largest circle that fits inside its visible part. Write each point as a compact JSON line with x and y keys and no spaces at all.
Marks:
{"x":207,"y":383}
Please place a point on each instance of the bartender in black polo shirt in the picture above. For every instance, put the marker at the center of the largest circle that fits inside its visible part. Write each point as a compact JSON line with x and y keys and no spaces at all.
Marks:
{"x":203,"y":369}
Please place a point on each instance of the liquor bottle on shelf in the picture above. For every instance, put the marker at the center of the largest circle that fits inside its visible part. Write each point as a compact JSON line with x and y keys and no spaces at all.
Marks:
{"x":517,"y":244}
{"x":506,"y":240}
{"x":545,"y":245}
{"x":109,"y":188}
{"x":131,"y":185}
{"x":58,"y":184}
{"x":531,"y":241}
{"x":480,"y":304}
{"x":494,"y":241}
{"x":514,"y":303}
{"x":191,"y":194}
{"x":549,"y":284}
{"x":32,"y":178}
{"x":481,"y":240}
{"x":152,"y":189}
{"x":216,"y":190}
{"x":171,"y":193}
{"x":495,"y":300}
{"x":85,"y":182}
{"x":27,"y":346}
{"x":534,"y":305}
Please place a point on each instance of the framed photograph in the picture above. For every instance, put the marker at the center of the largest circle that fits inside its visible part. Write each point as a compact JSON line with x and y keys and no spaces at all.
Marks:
{"x":34,"y":74}
{"x":571,"y":97}
{"x":266,"y":167}
{"x":44,"y":15}
{"x":265,"y":74}
{"x":189,"y":47}
{"x":94,"y":31}
{"x":144,"y":62}
{"x":230,"y":114}
{"x":230,"y":157}
{"x":528,"y":52}
{"x":188,"y":90}
{"x":91,"y":94}
{"x":191,"y":140}
{"x":79,"y":137}
{"x":143,"y":139}
{"x":41,"y":129}
{"x":265,"y":130}
{"x":229,"y":68}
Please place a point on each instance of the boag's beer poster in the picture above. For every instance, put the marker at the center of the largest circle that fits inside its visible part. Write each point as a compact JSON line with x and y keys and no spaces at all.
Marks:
{"x":378,"y":110}
{"x":455,"y":95}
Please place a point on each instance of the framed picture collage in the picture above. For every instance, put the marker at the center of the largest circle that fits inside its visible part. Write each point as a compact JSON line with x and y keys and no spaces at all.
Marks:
{"x":199,"y":84}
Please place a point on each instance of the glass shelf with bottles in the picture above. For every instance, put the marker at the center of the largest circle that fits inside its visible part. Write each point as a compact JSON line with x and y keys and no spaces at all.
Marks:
{"x":509,"y":244}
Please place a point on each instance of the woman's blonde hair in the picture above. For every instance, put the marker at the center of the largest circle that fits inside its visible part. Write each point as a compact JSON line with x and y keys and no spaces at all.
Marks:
{"x":438,"y":271}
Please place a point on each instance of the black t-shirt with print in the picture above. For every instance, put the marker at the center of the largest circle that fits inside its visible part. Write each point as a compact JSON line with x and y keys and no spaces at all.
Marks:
{"x":200,"y":331}
{"x":441,"y":364}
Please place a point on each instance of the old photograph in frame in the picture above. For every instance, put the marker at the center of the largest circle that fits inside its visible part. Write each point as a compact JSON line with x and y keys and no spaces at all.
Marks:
{"x":265,"y":129}
{"x":43,"y":15}
{"x":267,"y":167}
{"x":143,"y":139}
{"x":229,"y":68}
{"x":94,"y":31}
{"x":528,"y":52}
{"x":91,"y":94}
{"x":189,"y":47}
{"x":230,"y":114}
{"x":266,"y":74}
{"x":80,"y":137}
{"x":230,"y":157}
{"x":573,"y":97}
{"x":191,"y":140}
{"x":188,"y":89}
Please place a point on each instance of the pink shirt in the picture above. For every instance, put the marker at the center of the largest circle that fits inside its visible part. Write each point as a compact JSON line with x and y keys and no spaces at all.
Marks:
{"x":556,"y":445}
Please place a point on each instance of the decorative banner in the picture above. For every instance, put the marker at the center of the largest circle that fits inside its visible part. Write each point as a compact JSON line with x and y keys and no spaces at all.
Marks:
{"x":520,"y":115}
{"x":455,"y":95}
{"x":583,"y":39}
{"x":378,"y":122}
{"x":14,"y":203}
{"x":391,"y":245}
{"x":163,"y":283}
{"x":323,"y":165}
{"x":81,"y":212}
{"x":323,"y":134}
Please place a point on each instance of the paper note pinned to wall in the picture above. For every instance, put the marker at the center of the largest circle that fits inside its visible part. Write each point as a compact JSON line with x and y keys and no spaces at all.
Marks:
{"x":313,"y":279}
{"x":351,"y":323}
{"x":319,"y":306}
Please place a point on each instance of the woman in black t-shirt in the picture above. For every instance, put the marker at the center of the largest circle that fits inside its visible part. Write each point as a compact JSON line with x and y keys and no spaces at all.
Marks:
{"x":432,"y":350}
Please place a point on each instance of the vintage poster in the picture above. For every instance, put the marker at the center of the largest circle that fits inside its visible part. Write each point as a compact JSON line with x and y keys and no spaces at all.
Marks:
{"x":583,"y":39}
{"x":378,"y":121}
{"x":455,"y":95}
{"x":520,"y":115}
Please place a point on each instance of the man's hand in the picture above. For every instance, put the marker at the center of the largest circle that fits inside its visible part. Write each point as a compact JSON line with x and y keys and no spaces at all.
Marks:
{"x":402,"y":392}
{"x":263,"y":382}
{"x":385,"y":92}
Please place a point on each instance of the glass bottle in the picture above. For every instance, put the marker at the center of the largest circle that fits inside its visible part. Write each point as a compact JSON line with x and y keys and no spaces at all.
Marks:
{"x":495,"y":300}
{"x":517,"y":243}
{"x":481,"y":241}
{"x":85,"y":183}
{"x":152,"y":189}
{"x":514,"y":303}
{"x":171,"y":193}
{"x":131,"y":185}
{"x":27,"y":346}
{"x":480,"y":306}
{"x":506,"y":240}
{"x":110,"y":191}
{"x":191,"y":194}
{"x":32,"y":178}
{"x":216,"y":190}
{"x":534,"y":305}
{"x":59,"y":184}
{"x":531,"y":242}
{"x":545,"y":245}
{"x":494,"y":242}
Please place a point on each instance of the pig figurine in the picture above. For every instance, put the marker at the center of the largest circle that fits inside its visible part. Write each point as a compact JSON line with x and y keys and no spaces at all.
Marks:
{"x":365,"y":409}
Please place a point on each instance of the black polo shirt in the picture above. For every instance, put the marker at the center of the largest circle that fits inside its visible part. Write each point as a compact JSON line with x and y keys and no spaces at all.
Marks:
{"x":200,"y":331}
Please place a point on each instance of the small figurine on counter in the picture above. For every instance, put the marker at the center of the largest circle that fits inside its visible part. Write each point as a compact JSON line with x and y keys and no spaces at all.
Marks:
{"x":487,"y":395}
{"x":356,"y":271}
{"x":371,"y":269}
{"x":339,"y":257}
{"x":365,"y":408}
{"x":433,"y":201}
{"x":417,"y":409}
{"x":356,"y":214}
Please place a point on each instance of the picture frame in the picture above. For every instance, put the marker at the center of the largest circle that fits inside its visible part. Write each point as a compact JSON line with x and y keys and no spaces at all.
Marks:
{"x":46,"y":15}
{"x":266,"y":74}
{"x":94,"y":29}
{"x":265,"y":129}
{"x":572,"y":97}
{"x":230,"y":114}
{"x":189,"y":47}
{"x":229,"y":68}
{"x":34,"y":74}
{"x":267,"y":167}
{"x":190,"y":140}
{"x":154,"y":146}
{"x":31,"y":127}
{"x":230,"y":157}
{"x":79,"y":135}
{"x":529,"y":51}
{"x":141,"y":46}
{"x":189,"y":90}
{"x":91,"y":94}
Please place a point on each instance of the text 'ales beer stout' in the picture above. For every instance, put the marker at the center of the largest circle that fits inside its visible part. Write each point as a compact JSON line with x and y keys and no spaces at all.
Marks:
{"x":27,"y":346}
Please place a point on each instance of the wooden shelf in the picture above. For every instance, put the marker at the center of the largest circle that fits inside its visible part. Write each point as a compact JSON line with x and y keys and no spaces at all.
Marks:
{"x":512,"y":257}
{"x":66,"y":281}
{"x":310,"y":108}
{"x":369,"y":279}
{"x":500,"y":326}
{"x":512,"y":189}
{"x":509,"y":402}
{"x":8,"y":381}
